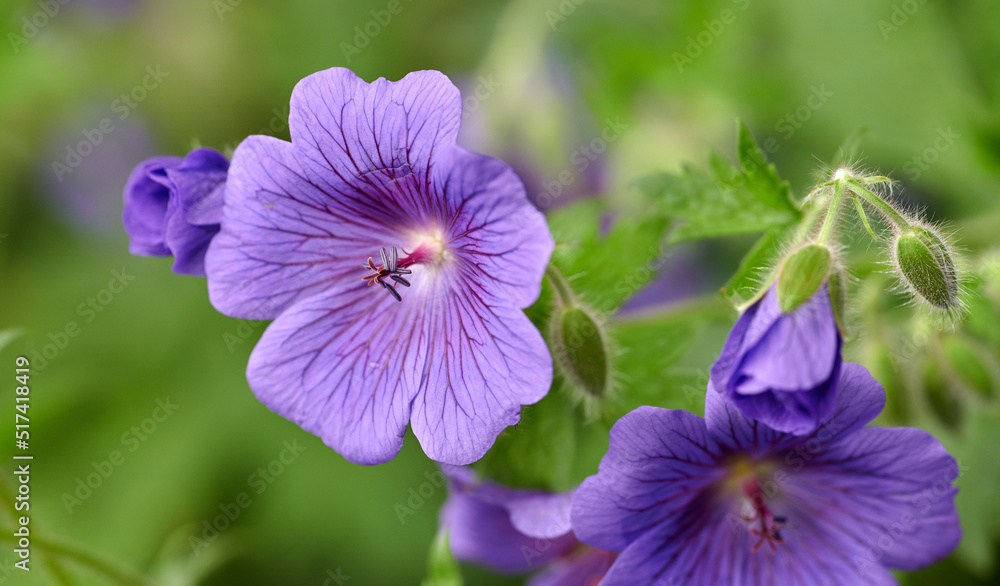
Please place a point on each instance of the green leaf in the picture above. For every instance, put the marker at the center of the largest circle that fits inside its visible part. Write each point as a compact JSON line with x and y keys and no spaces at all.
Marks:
{"x":442,"y":568}
{"x":651,"y":351}
{"x":605,"y":270}
{"x":747,"y":199}
{"x":760,"y":177}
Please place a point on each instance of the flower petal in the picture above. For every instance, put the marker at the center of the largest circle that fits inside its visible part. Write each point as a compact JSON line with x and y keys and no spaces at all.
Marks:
{"x":541,"y":515}
{"x":199,"y":182}
{"x":145,"y":206}
{"x":481,"y":532}
{"x":504,"y":240}
{"x":345,"y":365}
{"x":483,"y":363}
{"x":283,"y":238}
{"x":890,"y":490}
{"x":582,"y":569}
{"x":658,"y":460}
{"x":710,"y":545}
{"x":796,"y":353}
{"x":859,"y":401}
{"x":354,"y":128}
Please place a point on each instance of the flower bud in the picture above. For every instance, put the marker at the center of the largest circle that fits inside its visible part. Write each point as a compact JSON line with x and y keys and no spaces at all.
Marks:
{"x":926,"y":265}
{"x":838,"y":298}
{"x":580,"y":346}
{"x":802,"y":274}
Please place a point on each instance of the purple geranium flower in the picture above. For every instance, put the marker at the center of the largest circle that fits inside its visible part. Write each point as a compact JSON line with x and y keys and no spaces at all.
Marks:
{"x":728,"y":500}
{"x":517,"y":531}
{"x":173,"y":206}
{"x":782,"y":368}
{"x":373,"y":171}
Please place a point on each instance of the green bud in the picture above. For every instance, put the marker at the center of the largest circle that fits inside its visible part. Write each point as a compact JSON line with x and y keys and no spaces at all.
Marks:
{"x":942,"y":398}
{"x":967,"y":363}
{"x":927,"y":267}
{"x":802,"y":274}
{"x":580,"y":346}
{"x":838,"y":299}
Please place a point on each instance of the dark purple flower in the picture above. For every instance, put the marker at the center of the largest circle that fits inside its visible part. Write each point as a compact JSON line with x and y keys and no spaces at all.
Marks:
{"x":431,"y":331}
{"x":728,"y":500}
{"x":782,"y":368}
{"x":517,"y":531}
{"x":173,"y":206}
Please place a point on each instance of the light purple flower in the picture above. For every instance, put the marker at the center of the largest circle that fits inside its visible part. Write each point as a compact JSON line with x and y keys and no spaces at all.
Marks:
{"x":517,"y":531}
{"x":782,"y":368}
{"x":437,"y":338}
{"x":173,"y":206}
{"x":728,"y":500}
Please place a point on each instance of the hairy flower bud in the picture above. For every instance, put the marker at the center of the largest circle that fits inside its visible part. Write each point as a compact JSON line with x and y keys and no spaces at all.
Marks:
{"x":926,"y":264}
{"x":802,"y":274}
{"x":837,"y":285}
{"x":580,"y":346}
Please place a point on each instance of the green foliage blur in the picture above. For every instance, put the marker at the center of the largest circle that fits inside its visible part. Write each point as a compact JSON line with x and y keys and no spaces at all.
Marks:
{"x":656,"y":84}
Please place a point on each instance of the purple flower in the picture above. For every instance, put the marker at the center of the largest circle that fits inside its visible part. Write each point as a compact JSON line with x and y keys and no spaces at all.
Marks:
{"x":173,"y":206}
{"x":517,"y":531}
{"x":782,"y":368}
{"x":728,"y":500}
{"x":431,"y":332}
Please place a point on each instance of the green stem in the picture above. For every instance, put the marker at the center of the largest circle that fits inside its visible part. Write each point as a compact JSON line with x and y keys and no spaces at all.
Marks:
{"x":96,"y":562}
{"x":830,"y":221}
{"x":878,"y":203}
{"x":564,"y":293}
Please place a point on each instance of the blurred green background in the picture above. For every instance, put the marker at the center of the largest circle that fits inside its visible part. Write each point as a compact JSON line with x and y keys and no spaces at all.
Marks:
{"x":923,"y":77}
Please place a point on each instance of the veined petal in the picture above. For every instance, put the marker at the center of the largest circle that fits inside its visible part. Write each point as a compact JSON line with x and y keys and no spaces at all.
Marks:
{"x":796,"y":353}
{"x":344,"y":365}
{"x":372,"y":135}
{"x":504,"y":240}
{"x":483,"y":362}
{"x":283,"y":238}
{"x":890,"y":489}
{"x":709,"y":544}
{"x":657,"y":462}
{"x":197,"y":181}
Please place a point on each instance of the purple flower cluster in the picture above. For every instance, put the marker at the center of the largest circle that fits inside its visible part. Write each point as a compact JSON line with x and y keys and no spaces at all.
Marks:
{"x":729,"y":500}
{"x":395,"y":265}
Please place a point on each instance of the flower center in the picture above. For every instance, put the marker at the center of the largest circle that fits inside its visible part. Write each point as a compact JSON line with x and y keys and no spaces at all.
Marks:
{"x":748,"y":481}
{"x":390,"y":274}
